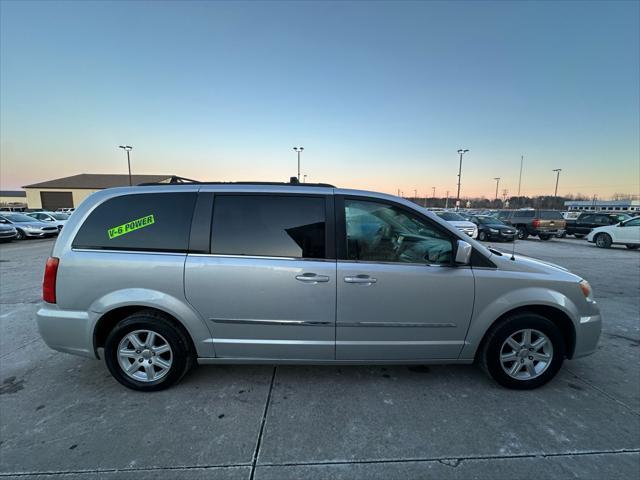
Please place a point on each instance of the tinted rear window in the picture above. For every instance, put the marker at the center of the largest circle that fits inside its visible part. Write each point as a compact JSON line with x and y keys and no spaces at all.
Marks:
{"x":551,"y":215}
{"x":269,"y":225}
{"x":152,"y":221}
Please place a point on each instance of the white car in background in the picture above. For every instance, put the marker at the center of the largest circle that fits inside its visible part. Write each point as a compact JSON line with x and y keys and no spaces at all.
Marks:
{"x":459,"y":222}
{"x":624,"y":233}
{"x":58,"y":219}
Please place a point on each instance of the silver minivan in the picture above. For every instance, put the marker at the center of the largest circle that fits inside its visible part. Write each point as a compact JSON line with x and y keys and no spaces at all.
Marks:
{"x":157,"y":278}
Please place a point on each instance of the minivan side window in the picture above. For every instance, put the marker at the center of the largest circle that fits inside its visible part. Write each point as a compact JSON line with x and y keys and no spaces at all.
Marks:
{"x":290,"y":226}
{"x":139,"y":222}
{"x":377,"y":232}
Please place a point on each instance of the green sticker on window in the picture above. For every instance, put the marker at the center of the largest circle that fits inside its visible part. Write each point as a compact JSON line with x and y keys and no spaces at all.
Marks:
{"x":130,"y":226}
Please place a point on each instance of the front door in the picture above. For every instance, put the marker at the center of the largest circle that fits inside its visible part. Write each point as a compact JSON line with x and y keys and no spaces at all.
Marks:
{"x":268,"y":286}
{"x":400,"y":297}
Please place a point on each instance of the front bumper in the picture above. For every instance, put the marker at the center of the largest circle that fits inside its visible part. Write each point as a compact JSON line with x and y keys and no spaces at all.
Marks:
{"x":587,"y":335}
{"x":67,"y":331}
{"x":40,"y":233}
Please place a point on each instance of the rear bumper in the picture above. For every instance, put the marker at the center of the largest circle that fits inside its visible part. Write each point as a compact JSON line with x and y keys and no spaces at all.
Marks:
{"x":587,"y":335}
{"x":66,"y":330}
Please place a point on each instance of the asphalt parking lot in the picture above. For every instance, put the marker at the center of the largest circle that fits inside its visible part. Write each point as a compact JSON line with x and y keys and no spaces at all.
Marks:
{"x":64,"y":416}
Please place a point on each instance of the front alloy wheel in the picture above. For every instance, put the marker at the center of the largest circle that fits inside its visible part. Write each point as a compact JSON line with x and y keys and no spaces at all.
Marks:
{"x":523,"y":351}
{"x":603,"y":240}
{"x":522,"y":233}
{"x":526,"y":354}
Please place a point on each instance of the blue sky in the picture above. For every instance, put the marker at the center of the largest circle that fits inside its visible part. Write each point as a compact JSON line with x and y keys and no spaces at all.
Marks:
{"x":381,"y":95}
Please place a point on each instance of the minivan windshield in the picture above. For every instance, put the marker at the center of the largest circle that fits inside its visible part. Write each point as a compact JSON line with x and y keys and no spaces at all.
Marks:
{"x":451,"y":216}
{"x":18,"y":217}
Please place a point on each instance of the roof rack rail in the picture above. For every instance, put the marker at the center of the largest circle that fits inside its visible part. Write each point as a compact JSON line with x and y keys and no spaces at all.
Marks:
{"x":181,"y":180}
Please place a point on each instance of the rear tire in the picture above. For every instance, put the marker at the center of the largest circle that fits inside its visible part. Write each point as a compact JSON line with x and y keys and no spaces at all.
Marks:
{"x":522,"y":233}
{"x":603,"y":240}
{"x":531,"y":362}
{"x":145,"y":362}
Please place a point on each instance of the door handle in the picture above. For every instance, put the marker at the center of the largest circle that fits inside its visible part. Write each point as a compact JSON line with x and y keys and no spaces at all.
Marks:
{"x":312,"y":278}
{"x":361,"y":279}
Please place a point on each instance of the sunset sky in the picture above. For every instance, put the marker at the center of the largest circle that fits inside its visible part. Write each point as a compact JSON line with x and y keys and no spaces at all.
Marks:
{"x":381,"y":95}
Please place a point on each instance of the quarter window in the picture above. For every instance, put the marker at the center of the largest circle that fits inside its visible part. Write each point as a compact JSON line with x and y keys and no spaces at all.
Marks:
{"x":382,"y":233}
{"x":269,"y":225}
{"x":148,"y":222}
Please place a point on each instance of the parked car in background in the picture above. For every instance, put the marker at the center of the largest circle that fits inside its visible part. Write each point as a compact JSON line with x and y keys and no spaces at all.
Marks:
{"x":12,"y":209}
{"x":492,"y":228}
{"x":157,"y":278}
{"x":625,"y":233}
{"x":66,"y":210}
{"x":571,"y":215}
{"x":586,"y":222}
{"x":544,"y":224}
{"x":27,"y":226}
{"x":7,"y":232}
{"x":459,"y":222}
{"x":55,"y":218}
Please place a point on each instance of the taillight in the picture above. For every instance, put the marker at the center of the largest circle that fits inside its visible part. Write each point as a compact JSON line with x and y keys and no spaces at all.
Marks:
{"x":535,"y":223}
{"x":49,"y":282}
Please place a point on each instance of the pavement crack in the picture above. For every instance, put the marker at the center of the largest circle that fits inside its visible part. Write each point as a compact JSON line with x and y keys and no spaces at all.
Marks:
{"x":606,"y":394}
{"x":262,"y":423}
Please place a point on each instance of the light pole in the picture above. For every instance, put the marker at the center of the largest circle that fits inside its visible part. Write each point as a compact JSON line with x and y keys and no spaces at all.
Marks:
{"x":446,"y":202}
{"x":127,"y":148}
{"x":557,"y":170}
{"x":299,"y":150}
{"x":520,"y":178}
{"x":497,"y":179}
{"x":434,"y":192}
{"x":304,"y":179}
{"x":461,"y":152}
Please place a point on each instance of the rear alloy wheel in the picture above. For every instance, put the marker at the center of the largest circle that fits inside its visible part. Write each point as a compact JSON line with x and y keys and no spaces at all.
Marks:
{"x":145,"y":351}
{"x":603,"y":240}
{"x":524,"y":351}
{"x":522,"y":233}
{"x":482,"y":236}
{"x":20,"y":235}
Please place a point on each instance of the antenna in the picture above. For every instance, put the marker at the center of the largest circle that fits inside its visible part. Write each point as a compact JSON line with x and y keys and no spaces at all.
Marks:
{"x":513,"y":249}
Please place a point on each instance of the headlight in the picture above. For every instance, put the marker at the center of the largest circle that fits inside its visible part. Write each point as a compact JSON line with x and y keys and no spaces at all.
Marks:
{"x":585,"y":288}
{"x":493,"y":230}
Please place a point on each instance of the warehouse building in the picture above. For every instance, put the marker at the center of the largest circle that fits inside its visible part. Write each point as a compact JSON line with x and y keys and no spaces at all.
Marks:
{"x":603,"y":205}
{"x":13,"y":198}
{"x":69,"y":192}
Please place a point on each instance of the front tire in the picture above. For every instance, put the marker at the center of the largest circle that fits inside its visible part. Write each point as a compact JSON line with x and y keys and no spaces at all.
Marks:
{"x":482,"y":236}
{"x":20,"y":235}
{"x":523,"y":351}
{"x":603,"y":240}
{"x":522,"y":233}
{"x":146,"y":352}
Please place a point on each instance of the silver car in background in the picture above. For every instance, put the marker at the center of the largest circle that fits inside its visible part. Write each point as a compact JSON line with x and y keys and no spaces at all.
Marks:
{"x":157,"y":278}
{"x":27,"y":226}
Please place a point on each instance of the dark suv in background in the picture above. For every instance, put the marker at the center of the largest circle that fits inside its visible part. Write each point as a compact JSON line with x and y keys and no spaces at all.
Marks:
{"x":586,"y":222}
{"x":544,"y":224}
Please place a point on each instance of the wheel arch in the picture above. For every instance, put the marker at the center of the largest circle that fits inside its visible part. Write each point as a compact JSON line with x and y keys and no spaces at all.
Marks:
{"x":556,"y":315}
{"x":107,"y":322}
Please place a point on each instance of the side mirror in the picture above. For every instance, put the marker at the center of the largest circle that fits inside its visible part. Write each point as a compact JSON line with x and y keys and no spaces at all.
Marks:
{"x":463,"y":253}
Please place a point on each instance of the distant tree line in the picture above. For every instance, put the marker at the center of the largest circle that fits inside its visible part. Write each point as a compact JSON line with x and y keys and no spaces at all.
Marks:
{"x":543,"y":201}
